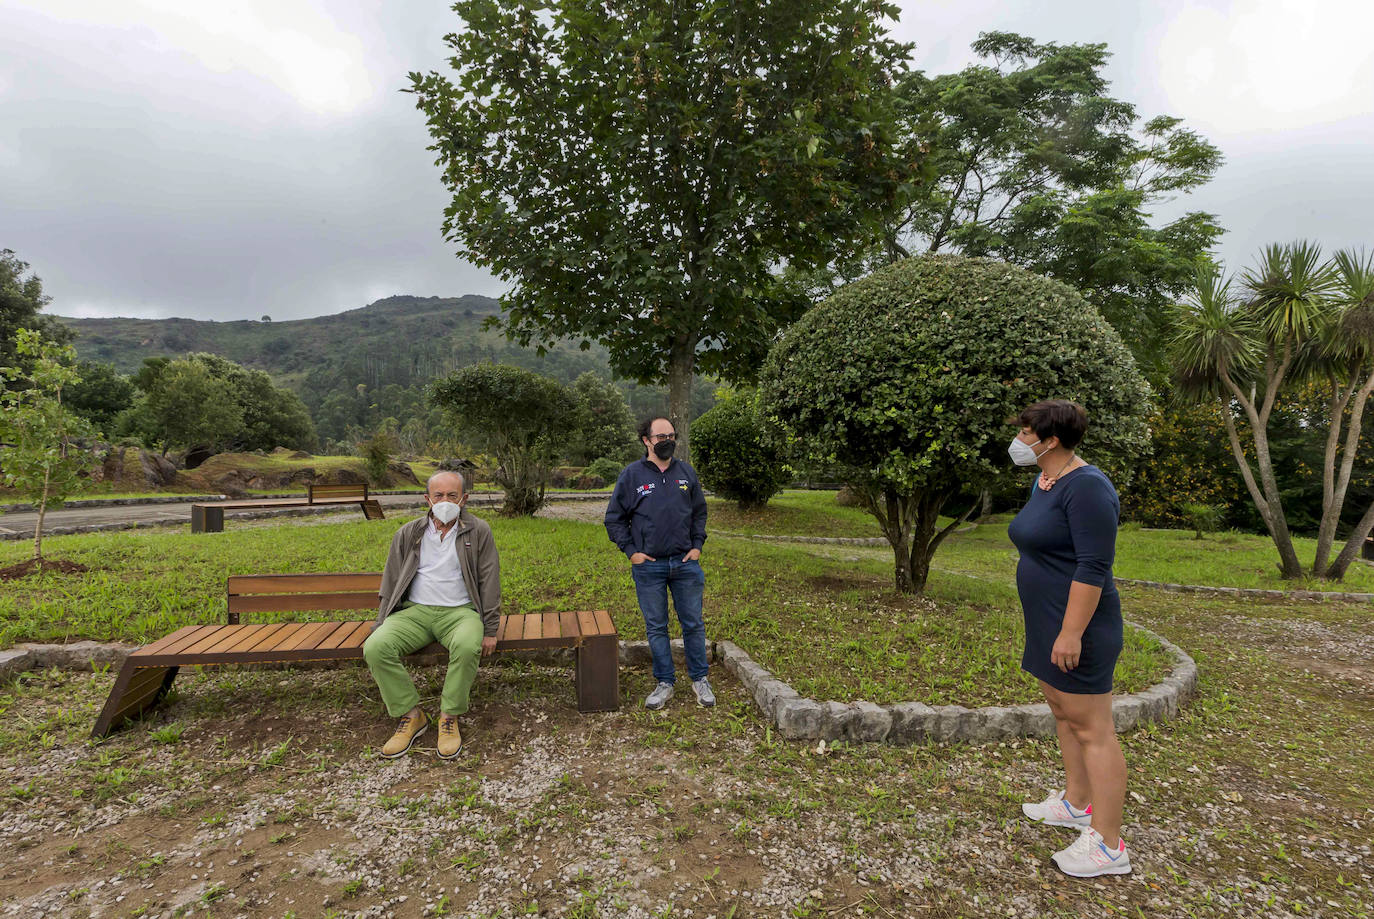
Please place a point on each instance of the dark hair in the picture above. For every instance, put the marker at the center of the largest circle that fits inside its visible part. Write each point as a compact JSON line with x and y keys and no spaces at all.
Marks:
{"x":1055,"y":418}
{"x":647,"y":425}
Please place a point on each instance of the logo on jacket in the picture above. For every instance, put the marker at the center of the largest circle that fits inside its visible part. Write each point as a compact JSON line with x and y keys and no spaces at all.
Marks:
{"x":684,"y":485}
{"x":645,"y":488}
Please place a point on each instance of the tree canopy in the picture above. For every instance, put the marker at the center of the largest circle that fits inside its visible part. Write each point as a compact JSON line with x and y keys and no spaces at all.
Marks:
{"x":640,"y":171}
{"x":21,"y":304}
{"x":1033,"y":162}
{"x":905,"y":380}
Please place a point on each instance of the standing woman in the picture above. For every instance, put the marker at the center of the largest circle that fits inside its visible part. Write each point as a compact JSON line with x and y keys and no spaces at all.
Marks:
{"x":1066,"y":535}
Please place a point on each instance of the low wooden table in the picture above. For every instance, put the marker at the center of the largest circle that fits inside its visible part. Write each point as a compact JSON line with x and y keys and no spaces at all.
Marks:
{"x":208,"y":517}
{"x":148,"y":673}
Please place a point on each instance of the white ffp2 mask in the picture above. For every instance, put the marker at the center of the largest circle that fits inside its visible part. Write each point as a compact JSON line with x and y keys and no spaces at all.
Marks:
{"x":1022,"y":453}
{"x":445,"y":511}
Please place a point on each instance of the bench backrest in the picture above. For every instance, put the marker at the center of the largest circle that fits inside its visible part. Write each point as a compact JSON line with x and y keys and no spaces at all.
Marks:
{"x":315,"y":492}
{"x":279,"y":593}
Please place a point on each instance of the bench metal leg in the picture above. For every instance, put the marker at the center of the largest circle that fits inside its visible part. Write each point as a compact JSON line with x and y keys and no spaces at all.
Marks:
{"x":598,"y":674}
{"x":136,"y":690}
{"x":207,"y":519}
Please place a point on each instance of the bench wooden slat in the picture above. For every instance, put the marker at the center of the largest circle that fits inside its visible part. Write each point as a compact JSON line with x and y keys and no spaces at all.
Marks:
{"x":225,"y":638}
{"x":166,"y":640}
{"x":248,"y":634}
{"x":586,"y":622}
{"x":240,"y":584}
{"x":501,"y":629}
{"x":308,"y":636}
{"x":321,"y":636}
{"x":266,"y":635}
{"x":553,"y":627}
{"x":344,"y":638}
{"x":568,"y":625}
{"x":280,"y":603}
{"x":534,"y":626}
{"x":279,"y":641}
{"x":605,"y":626}
{"x":183,"y":639}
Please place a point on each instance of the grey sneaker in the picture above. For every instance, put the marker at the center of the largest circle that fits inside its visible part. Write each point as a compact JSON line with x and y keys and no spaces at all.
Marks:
{"x":705,"y":697}
{"x":659,"y":697}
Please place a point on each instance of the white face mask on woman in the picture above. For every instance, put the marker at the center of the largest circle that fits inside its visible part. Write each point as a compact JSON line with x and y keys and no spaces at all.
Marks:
{"x":1022,"y":453}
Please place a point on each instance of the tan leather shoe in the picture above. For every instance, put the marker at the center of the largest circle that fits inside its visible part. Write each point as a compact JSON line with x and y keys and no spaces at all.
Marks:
{"x":411,"y":727}
{"x":450,"y":739}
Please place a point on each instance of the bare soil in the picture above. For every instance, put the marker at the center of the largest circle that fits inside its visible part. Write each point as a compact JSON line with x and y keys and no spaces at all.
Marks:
{"x":34,"y":566}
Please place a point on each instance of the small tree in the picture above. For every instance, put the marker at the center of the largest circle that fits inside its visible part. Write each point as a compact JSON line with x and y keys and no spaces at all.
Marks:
{"x":38,"y":456}
{"x":376,"y":453}
{"x":188,"y":405}
{"x":732,"y":456}
{"x":906,"y":380}
{"x":518,"y":416}
{"x":604,"y":425}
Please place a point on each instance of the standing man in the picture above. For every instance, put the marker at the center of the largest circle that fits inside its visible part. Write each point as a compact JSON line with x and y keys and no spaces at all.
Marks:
{"x":657,"y":516}
{"x":442,"y":582}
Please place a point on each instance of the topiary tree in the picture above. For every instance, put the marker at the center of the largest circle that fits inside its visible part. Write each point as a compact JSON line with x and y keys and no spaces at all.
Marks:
{"x":906,"y":379}
{"x":732,"y":456}
{"x":604,"y":468}
{"x":518,"y":416}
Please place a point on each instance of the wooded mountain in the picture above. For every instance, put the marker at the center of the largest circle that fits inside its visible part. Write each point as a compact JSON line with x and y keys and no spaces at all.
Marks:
{"x":403,"y":341}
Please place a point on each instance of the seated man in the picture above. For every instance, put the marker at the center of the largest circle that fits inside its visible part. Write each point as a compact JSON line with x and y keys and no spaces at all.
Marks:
{"x":441,"y":583}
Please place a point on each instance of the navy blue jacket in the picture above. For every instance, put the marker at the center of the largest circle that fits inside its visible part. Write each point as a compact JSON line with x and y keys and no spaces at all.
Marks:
{"x":661,"y":514}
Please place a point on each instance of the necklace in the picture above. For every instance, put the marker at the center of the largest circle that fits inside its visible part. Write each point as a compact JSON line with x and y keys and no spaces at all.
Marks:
{"x":1047,"y":481}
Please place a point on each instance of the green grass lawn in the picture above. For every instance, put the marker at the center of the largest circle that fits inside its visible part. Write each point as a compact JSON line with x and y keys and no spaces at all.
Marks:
{"x":830,"y":626}
{"x":794,"y":513}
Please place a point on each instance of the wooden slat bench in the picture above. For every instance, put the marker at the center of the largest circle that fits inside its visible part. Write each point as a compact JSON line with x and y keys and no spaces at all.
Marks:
{"x":148,"y":673}
{"x":208,"y":517}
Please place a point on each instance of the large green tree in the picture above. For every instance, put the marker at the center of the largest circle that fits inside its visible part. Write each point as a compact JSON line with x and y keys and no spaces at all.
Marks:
{"x":1035,"y":163}
{"x":604,"y":424}
{"x":640,"y":170}
{"x":100,"y":394}
{"x":905,"y":381}
{"x":21,"y":304}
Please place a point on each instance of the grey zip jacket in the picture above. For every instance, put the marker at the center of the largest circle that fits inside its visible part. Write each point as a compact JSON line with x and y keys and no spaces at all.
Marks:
{"x":477,"y":559}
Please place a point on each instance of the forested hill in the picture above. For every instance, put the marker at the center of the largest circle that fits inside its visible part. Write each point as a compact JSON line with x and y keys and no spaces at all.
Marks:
{"x":354,"y":367}
{"x":401,"y":340}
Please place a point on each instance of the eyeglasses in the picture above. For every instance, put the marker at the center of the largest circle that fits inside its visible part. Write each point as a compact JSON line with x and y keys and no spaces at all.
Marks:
{"x":660,"y":438}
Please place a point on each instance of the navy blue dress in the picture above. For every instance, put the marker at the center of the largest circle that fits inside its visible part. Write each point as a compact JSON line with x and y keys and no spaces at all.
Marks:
{"x":1068,"y":534}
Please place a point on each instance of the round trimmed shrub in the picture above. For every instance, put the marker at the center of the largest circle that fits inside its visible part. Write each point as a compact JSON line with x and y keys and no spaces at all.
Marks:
{"x":733,"y":458}
{"x":907,"y":378}
{"x":605,"y":469}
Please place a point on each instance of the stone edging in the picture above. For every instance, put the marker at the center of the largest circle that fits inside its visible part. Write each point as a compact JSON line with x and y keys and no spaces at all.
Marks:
{"x":797,"y":718}
{"x":1249,"y":592}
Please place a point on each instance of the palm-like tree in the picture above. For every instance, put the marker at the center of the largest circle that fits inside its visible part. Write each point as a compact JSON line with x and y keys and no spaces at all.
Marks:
{"x":1301,"y":318}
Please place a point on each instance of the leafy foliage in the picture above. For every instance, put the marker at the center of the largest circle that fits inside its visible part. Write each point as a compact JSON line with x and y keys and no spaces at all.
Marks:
{"x":1035,"y":164}
{"x":733,"y":457}
{"x":39,"y":457}
{"x":21,"y":303}
{"x":519,"y":417}
{"x":906,"y":379}
{"x":639,"y":171}
{"x":100,"y":395}
{"x":604,"y":426}
{"x":1188,"y":462}
{"x":376,"y":453}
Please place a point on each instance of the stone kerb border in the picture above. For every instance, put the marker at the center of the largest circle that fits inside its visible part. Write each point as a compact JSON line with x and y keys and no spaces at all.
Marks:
{"x":800,"y":718}
{"x":1256,"y":593}
{"x":797,"y":718}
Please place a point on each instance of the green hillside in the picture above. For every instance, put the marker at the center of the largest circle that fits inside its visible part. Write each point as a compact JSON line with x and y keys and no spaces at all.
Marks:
{"x":396,"y":342}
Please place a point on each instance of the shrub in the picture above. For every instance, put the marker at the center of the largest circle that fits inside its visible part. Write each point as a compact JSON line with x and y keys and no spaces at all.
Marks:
{"x":1202,"y":518}
{"x":376,"y":454}
{"x":907,"y":378}
{"x":732,"y":457}
{"x":605,"y":469}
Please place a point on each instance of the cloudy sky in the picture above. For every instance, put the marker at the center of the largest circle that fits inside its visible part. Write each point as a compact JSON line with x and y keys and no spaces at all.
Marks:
{"x":224,"y":160}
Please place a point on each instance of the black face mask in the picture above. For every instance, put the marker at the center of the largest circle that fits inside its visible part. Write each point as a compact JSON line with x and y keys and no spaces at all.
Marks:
{"x":664,"y":449}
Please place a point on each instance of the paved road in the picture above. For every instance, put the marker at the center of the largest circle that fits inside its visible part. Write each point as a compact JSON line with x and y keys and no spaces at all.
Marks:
{"x":91,"y":519}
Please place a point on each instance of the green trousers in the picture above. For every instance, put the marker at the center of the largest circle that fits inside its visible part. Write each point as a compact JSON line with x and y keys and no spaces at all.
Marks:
{"x":408,"y":629}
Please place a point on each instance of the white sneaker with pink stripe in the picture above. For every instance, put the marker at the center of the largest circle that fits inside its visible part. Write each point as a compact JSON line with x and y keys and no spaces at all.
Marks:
{"x":1088,"y":857}
{"x":1056,"y":811}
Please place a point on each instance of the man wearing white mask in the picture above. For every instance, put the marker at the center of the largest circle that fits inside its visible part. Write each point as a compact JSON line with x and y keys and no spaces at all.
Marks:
{"x":442,"y":582}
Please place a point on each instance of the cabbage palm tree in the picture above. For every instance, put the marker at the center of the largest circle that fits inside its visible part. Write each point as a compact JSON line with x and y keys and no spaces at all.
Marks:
{"x":1244,"y":349}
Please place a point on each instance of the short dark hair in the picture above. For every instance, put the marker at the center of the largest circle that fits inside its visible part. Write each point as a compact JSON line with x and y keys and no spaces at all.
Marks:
{"x":647,"y":425}
{"x":1056,"y":418}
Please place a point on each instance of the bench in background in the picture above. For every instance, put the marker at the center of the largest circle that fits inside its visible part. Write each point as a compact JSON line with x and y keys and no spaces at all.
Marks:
{"x":208,"y":517}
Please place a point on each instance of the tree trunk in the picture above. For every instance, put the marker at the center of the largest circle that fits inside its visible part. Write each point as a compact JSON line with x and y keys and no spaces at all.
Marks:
{"x":1352,"y":546}
{"x":38,"y":525}
{"x":985,"y":504}
{"x":1334,"y":497}
{"x":1266,"y":498}
{"x":681,"y":362}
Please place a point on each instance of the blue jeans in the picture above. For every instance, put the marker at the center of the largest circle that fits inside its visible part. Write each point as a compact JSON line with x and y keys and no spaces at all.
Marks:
{"x":686,"y":580}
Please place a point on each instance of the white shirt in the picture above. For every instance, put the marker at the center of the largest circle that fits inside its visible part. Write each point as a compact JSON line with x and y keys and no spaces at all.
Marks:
{"x":439,"y":579}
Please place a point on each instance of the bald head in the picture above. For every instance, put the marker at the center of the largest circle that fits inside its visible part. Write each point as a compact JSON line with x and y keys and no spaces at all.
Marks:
{"x":442,"y":486}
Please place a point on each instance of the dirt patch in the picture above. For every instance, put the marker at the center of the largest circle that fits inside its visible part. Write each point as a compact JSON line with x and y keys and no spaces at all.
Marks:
{"x":34,"y":566}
